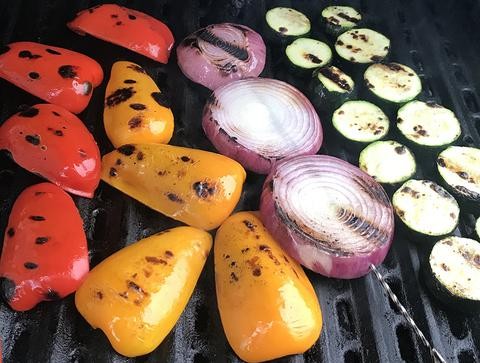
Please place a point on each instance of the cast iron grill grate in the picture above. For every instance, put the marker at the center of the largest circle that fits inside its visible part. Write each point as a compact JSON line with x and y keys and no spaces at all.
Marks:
{"x":438,"y":39}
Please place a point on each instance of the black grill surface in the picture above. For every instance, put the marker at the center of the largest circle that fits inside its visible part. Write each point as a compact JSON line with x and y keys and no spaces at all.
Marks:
{"x":439,"y":39}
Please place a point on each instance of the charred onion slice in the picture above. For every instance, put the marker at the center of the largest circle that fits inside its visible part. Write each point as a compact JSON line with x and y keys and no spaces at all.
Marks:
{"x":328,"y":214}
{"x":221,"y":53}
{"x":259,"y":121}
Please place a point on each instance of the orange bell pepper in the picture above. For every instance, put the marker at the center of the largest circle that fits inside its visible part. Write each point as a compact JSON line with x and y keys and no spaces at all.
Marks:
{"x":196,"y":187}
{"x":137,"y":295}
{"x":136,"y":111}
{"x":267,"y":304}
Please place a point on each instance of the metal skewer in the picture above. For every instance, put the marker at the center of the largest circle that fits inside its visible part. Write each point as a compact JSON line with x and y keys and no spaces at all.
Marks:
{"x":436,"y":356}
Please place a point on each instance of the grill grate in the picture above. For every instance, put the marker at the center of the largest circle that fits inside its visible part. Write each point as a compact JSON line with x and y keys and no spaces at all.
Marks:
{"x":438,"y":39}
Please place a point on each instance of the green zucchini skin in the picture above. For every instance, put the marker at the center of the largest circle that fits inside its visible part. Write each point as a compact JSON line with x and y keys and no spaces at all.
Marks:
{"x":442,"y":294}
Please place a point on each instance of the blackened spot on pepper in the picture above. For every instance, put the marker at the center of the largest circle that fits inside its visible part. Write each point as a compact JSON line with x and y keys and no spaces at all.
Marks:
{"x":7,"y":288}
{"x":123,"y":294}
{"x":39,"y":193}
{"x":174,"y":198}
{"x":264,"y":248}
{"x":58,"y":133}
{"x":118,"y":162}
{"x":136,"y":68}
{"x":30,"y":265}
{"x":99,"y":295}
{"x":33,"y":139}
{"x":131,"y":17}
{"x":118,"y":23}
{"x":41,"y":240}
{"x":138,"y":106}
{"x":52,"y":51}
{"x":37,"y":218}
{"x":135,"y":122}
{"x":129,"y":81}
{"x":4,"y":49}
{"x":249,"y":225}
{"x":185,"y":159}
{"x":155,"y":260}
{"x":204,"y":189}
{"x":233,"y":276}
{"x":10,"y":232}
{"x":233,"y":264}
{"x":56,"y":113}
{"x":134,"y":286}
{"x":120,"y":95}
{"x":113,"y":172}
{"x":168,"y":254}
{"x":34,"y":75}
{"x":67,"y":71}
{"x":52,"y":295}
{"x":139,"y":155}
{"x":114,"y":16}
{"x":256,"y":271}
{"x":126,"y":149}
{"x":28,"y":54}
{"x":245,"y":250}
{"x":161,"y":99}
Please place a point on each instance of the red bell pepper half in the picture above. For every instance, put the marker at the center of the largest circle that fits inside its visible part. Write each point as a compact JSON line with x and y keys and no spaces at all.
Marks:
{"x":128,"y":28}
{"x":52,"y":142}
{"x":45,"y":255}
{"x":56,"y":75}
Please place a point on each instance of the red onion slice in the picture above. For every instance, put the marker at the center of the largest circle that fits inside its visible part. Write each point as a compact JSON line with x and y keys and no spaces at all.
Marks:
{"x":328,"y":214}
{"x":221,"y":53}
{"x":259,"y":121}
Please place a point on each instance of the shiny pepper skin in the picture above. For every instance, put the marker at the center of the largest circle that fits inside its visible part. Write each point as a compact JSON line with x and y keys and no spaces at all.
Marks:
{"x":267,"y":304}
{"x":128,"y":28}
{"x":44,"y":254}
{"x":196,"y":187}
{"x":56,"y":75}
{"x":137,"y":295}
{"x":136,"y":111}
{"x":52,"y":142}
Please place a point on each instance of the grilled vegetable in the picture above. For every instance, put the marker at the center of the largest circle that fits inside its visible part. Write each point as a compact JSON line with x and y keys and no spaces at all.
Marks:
{"x":327,"y":214}
{"x":477,"y":228}
{"x":44,"y":254}
{"x":459,"y":169}
{"x":221,"y":53}
{"x":388,"y":162}
{"x":361,"y":122}
{"x":136,"y":111}
{"x":196,"y":187}
{"x":428,"y":125}
{"x":259,"y":121}
{"x":56,"y":75}
{"x":330,"y":87}
{"x":256,"y":284}
{"x":128,"y":28}
{"x":392,"y":82}
{"x":137,"y":295}
{"x":362,"y":46}
{"x":306,"y":54}
{"x":452,"y":272}
{"x":426,"y":209}
{"x":52,"y":142}
{"x":338,"y":19}
{"x":285,"y":24}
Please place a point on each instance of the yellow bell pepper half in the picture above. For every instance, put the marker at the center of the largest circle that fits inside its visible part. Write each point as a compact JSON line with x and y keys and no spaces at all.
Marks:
{"x":196,"y":187}
{"x":136,"y":111}
{"x":137,"y":295}
{"x":267,"y":304}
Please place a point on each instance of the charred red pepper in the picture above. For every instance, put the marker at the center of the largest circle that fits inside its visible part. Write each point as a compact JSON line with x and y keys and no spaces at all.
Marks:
{"x":48,"y":140}
{"x":56,"y":75}
{"x":44,"y":254}
{"x":128,"y":28}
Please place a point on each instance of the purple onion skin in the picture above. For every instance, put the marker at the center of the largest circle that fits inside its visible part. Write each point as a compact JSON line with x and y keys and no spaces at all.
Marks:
{"x":196,"y":67}
{"x":315,"y":259}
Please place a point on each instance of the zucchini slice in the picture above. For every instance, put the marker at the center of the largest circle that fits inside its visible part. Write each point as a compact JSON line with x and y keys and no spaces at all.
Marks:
{"x":459,"y":169}
{"x":362,"y":46}
{"x":287,"y":22}
{"x":428,"y":124}
{"x":331,"y":87}
{"x":426,"y":208}
{"x":338,"y":19}
{"x":452,"y":273}
{"x":388,"y":162}
{"x":360,"y":121}
{"x":306,"y":53}
{"x":392,"y":82}
{"x":477,"y":228}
